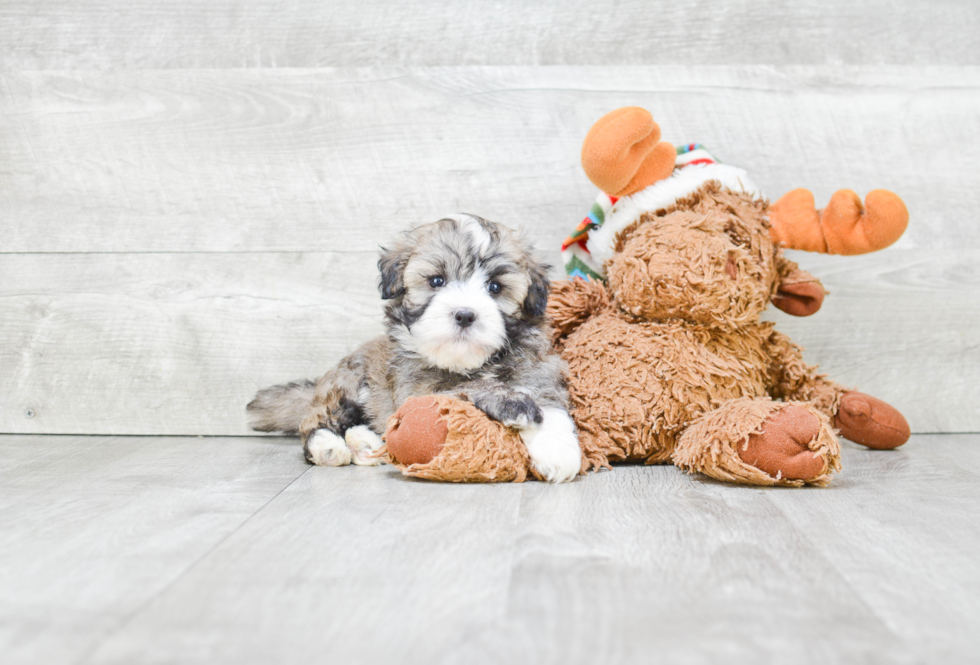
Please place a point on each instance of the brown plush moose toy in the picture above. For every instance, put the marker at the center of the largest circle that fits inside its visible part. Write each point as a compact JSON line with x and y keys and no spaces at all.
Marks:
{"x":668,"y":360}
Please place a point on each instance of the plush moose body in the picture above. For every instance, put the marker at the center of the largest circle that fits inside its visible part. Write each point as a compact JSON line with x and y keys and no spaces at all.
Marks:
{"x":668,"y":360}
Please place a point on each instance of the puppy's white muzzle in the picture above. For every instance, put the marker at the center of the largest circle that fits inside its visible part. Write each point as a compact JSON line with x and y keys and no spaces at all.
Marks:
{"x":462,"y":326}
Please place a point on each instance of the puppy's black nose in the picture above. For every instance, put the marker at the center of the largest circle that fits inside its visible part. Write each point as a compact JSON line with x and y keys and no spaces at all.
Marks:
{"x":465,"y":317}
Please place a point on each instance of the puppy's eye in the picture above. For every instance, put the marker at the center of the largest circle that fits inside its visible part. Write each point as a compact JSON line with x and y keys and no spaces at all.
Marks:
{"x":437,"y":281}
{"x":493,"y":287}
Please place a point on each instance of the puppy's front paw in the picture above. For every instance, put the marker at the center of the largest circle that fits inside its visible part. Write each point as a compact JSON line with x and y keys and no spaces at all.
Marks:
{"x":512,"y":410}
{"x":324,"y":448}
{"x":553,"y":447}
{"x":363,"y":444}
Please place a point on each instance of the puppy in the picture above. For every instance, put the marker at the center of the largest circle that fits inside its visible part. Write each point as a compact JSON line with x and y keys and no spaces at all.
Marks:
{"x":464,"y":316}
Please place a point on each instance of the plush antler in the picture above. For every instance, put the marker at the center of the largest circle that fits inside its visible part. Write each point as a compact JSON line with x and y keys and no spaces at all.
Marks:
{"x":843,"y":227}
{"x":623,"y":153}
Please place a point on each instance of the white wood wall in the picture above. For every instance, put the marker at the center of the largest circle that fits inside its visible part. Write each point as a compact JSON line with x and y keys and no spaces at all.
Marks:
{"x":192,"y":194}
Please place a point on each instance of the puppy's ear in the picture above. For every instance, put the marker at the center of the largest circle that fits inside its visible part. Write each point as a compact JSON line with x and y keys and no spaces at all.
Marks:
{"x":392,"y":266}
{"x":537,"y":293}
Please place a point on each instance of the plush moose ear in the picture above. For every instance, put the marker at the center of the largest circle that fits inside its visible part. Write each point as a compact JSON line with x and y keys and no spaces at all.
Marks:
{"x":799,"y":292}
{"x":392,"y":266}
{"x":537,"y":292}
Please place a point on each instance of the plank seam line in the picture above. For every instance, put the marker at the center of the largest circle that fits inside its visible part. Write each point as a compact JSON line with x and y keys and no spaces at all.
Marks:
{"x":125,"y":621}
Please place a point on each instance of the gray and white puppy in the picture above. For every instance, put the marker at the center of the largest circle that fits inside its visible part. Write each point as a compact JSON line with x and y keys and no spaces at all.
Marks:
{"x":465,"y":316}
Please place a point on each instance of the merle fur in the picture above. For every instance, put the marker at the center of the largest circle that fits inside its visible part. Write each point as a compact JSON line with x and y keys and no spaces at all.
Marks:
{"x":512,"y":386}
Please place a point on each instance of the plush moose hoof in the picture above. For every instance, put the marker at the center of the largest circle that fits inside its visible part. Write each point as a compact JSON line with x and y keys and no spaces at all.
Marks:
{"x":782,"y":448}
{"x":869,"y":421}
{"x":417,"y":432}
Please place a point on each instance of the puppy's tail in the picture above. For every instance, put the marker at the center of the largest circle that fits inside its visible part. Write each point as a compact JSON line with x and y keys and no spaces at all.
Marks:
{"x":281,"y":408}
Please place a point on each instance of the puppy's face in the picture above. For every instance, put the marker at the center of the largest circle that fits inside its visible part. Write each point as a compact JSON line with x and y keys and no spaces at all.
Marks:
{"x":461,"y":289}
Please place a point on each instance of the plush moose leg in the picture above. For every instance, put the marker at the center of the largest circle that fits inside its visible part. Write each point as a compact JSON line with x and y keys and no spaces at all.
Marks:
{"x":761,"y":442}
{"x":442,"y":438}
{"x":858,"y":417}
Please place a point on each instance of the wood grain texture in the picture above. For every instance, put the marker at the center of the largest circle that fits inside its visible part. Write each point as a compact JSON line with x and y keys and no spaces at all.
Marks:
{"x":362,"y":565}
{"x":846,"y":575}
{"x":892,"y":540}
{"x":351,"y":566}
{"x":171,"y":343}
{"x":320,"y":160}
{"x":114,"y":34}
{"x":93,"y":528}
{"x":178,"y":343}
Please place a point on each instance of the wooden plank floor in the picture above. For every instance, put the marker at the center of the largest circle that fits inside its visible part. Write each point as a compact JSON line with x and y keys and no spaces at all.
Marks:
{"x":233,"y":550}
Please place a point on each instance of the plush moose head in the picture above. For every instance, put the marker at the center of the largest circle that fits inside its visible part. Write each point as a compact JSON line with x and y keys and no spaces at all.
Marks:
{"x":690,"y":229}
{"x":710,"y":260}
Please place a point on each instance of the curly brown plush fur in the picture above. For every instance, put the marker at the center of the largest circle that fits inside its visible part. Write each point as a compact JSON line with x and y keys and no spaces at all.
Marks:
{"x":670,"y":362}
